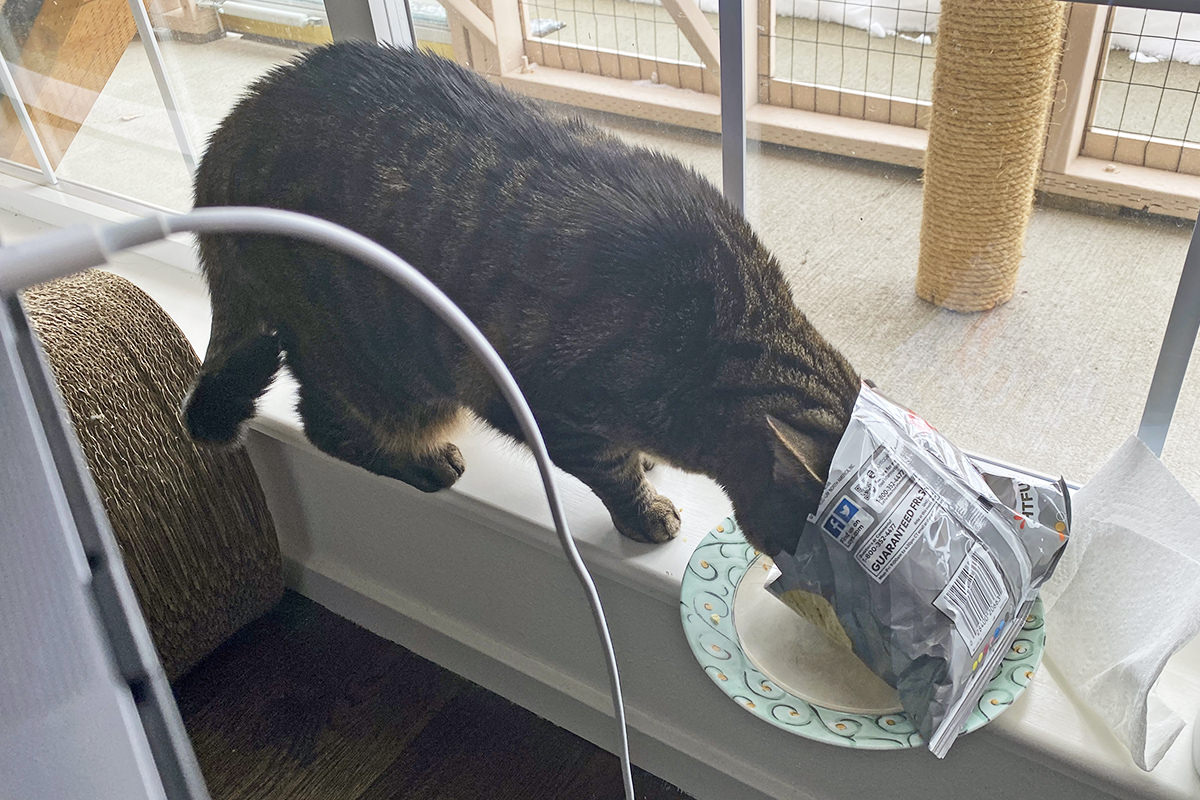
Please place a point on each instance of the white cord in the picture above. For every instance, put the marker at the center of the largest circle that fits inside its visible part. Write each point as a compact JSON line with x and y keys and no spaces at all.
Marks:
{"x":64,"y":252}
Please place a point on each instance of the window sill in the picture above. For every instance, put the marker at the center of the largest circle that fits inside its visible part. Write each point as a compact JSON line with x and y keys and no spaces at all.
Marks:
{"x":501,"y":490}
{"x":504,"y":611}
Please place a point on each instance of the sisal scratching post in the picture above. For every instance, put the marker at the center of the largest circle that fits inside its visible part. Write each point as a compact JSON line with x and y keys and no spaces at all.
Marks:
{"x":192,"y":523}
{"x":993,"y":81}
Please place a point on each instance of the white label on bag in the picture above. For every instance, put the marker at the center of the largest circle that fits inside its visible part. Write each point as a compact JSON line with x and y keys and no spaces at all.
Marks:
{"x":974,"y":596}
{"x":879,"y":480}
{"x":883,"y":549}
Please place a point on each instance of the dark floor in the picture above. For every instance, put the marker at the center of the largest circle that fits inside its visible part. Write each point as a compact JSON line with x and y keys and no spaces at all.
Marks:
{"x":306,"y":705}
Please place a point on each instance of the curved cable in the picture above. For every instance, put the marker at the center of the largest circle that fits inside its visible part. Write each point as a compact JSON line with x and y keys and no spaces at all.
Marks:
{"x":70,"y":250}
{"x":319,"y":231}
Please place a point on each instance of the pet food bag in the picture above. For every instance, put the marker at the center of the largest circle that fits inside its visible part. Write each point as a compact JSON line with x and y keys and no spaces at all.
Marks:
{"x":930,"y":560}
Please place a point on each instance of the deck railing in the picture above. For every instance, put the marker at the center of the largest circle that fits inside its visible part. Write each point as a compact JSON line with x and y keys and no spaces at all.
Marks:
{"x":853,"y":78}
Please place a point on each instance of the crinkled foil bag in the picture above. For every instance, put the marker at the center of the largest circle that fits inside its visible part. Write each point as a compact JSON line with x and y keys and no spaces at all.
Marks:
{"x":930,"y":559}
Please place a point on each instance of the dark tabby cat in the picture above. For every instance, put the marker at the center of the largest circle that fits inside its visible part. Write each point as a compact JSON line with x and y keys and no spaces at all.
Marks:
{"x":635,"y":307}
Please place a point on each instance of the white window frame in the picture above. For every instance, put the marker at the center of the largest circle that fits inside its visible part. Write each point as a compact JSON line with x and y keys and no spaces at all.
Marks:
{"x":495,"y":504}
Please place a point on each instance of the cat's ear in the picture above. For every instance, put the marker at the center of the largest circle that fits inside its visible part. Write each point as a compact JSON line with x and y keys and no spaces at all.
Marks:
{"x":796,"y":454}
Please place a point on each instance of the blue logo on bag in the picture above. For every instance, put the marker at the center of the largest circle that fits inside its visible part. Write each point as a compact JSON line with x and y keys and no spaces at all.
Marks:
{"x":836,"y":522}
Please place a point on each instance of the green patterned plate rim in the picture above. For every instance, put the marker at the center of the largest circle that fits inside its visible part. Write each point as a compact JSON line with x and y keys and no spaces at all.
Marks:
{"x":714,"y":570}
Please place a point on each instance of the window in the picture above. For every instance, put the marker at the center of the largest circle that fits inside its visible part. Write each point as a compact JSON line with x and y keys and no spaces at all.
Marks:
{"x":1053,"y":379}
{"x":131,"y":116}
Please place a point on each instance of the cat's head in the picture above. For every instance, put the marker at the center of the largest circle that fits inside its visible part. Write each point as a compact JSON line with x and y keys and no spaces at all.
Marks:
{"x":773,"y":510}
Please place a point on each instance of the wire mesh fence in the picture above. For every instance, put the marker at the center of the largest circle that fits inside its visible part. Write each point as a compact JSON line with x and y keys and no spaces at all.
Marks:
{"x":874,"y":59}
{"x":871,"y":48}
{"x":878,"y":47}
{"x":1147,"y":90}
{"x":643,"y":29}
{"x":634,"y":40}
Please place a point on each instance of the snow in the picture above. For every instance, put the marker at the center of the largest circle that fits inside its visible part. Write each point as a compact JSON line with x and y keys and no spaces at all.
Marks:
{"x":1152,"y":36}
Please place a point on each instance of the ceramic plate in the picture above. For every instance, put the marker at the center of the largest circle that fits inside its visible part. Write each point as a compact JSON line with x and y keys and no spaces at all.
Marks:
{"x":781,"y":668}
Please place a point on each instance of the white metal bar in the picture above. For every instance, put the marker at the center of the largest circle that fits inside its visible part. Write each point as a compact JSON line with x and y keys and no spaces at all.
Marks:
{"x":165,"y":90}
{"x":733,"y":102}
{"x":9,"y":85}
{"x":392,"y":22}
{"x":1178,"y":341}
{"x":410,"y":30}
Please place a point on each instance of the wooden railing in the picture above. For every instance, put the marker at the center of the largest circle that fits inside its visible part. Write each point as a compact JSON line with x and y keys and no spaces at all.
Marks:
{"x":1081,"y":161}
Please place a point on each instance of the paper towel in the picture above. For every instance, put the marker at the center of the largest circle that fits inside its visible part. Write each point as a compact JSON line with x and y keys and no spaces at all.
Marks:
{"x":1126,"y":596}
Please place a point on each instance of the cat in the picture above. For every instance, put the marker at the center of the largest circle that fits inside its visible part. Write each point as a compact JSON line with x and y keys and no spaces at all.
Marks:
{"x":636,"y":308}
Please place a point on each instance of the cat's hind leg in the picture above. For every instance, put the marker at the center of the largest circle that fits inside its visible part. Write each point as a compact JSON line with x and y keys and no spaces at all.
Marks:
{"x":241,"y":360}
{"x":407,"y":443}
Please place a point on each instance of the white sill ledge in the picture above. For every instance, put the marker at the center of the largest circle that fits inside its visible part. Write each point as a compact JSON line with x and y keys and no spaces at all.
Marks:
{"x":501,"y":486}
{"x":1070,"y":752}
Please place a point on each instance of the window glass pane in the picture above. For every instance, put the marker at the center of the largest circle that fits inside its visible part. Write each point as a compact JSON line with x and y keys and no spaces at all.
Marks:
{"x":642,"y":41}
{"x":126,"y":144}
{"x":93,"y":92}
{"x":697,"y":149}
{"x":1054,"y":379}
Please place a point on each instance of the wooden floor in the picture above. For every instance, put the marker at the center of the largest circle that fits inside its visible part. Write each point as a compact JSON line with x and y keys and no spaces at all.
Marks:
{"x":306,"y":705}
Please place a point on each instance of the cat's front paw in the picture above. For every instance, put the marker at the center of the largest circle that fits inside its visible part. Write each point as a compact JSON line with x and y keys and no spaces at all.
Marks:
{"x":659,"y":523}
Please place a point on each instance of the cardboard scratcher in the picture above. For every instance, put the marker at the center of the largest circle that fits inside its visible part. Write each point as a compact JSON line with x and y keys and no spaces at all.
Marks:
{"x":192,"y":524}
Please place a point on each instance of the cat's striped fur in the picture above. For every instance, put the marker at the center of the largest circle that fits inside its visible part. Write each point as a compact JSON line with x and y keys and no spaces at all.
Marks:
{"x":636,"y":308}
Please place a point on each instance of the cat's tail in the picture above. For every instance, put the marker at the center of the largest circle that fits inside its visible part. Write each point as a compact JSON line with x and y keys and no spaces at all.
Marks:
{"x":235,"y":373}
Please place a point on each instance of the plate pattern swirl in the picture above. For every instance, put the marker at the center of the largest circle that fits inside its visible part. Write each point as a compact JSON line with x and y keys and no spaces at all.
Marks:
{"x":706,"y":605}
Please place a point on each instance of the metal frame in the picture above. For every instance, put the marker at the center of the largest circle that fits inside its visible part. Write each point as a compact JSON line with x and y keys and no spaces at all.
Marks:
{"x":392,"y":22}
{"x":733,"y":102}
{"x":9,"y":85}
{"x":1178,"y":341}
{"x":63,"y":469}
{"x":165,"y":90}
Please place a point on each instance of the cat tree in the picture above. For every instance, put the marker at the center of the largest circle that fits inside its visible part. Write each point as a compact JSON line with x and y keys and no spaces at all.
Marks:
{"x":992,"y":85}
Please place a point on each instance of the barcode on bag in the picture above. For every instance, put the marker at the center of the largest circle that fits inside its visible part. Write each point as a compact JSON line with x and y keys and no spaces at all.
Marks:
{"x":974,"y":596}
